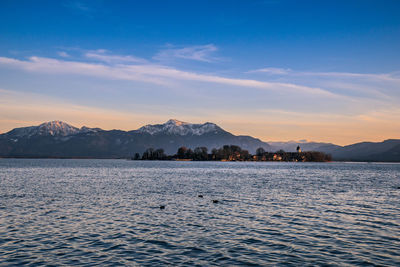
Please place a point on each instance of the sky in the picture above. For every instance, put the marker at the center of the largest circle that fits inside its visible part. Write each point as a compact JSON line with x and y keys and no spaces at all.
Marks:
{"x":326,"y":71}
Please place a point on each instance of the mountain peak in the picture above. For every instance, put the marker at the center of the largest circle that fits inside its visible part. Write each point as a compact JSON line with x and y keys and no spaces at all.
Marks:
{"x":176,"y":127}
{"x":55,"y":124}
{"x":56,"y":128}
{"x":176,"y":122}
{"x":53,"y":128}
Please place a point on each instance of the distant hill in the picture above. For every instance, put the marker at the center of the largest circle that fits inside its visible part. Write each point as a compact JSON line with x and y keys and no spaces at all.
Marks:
{"x":388,"y":150}
{"x":305,"y":146}
{"x":59,"y":139}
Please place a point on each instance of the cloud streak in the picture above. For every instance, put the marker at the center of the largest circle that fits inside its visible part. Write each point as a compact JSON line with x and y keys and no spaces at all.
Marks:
{"x":103,"y":56}
{"x":150,"y":73}
{"x":289,"y":72}
{"x":198,"y":53}
{"x":80,"y":7}
{"x":382,"y":86}
{"x":63,"y":54}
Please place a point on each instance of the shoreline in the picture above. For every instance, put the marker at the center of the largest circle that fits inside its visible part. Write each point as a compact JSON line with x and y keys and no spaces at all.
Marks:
{"x":188,"y":160}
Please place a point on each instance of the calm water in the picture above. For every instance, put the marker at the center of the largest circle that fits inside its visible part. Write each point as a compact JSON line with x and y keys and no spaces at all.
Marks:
{"x":106,"y":212}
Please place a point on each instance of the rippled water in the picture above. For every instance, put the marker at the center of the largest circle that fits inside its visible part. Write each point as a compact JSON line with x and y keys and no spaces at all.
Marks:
{"x":106,"y":212}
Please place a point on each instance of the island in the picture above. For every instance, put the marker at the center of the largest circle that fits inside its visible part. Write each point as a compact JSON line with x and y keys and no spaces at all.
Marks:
{"x":233,"y":153}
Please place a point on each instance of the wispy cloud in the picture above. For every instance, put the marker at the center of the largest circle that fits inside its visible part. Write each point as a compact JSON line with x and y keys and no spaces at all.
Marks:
{"x":105,"y":56}
{"x":273,"y":71}
{"x":201,"y":53}
{"x":151,"y":73}
{"x":80,"y":7}
{"x":372,"y":85}
{"x":290,"y":72}
{"x":63,"y":54}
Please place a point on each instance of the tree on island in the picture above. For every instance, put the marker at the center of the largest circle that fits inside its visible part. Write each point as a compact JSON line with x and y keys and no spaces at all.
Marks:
{"x":233,"y":153}
{"x":200,"y":153}
{"x":260,"y":152}
{"x":181,"y":154}
{"x":151,"y":154}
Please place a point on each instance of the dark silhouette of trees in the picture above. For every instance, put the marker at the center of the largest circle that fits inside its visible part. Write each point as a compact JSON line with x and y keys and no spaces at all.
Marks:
{"x":148,"y":154}
{"x":181,"y":152}
{"x":151,"y":154}
{"x":233,"y":153}
{"x":200,"y":153}
{"x":189,"y":154}
{"x":260,"y":152}
{"x":159,"y":154}
{"x":184,"y":153}
{"x":316,"y":156}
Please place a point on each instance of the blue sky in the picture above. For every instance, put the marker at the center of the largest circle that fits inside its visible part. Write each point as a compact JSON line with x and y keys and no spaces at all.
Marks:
{"x":277,"y":70}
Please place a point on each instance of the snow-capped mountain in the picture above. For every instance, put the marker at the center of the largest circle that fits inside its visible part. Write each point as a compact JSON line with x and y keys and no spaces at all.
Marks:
{"x":59,"y":139}
{"x":175,"y":127}
{"x":52,"y":128}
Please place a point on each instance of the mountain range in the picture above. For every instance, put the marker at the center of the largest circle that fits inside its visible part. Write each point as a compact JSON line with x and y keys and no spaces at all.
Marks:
{"x":59,"y":139}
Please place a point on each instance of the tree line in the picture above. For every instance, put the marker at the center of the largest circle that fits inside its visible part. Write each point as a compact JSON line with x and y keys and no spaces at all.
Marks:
{"x":231,"y":153}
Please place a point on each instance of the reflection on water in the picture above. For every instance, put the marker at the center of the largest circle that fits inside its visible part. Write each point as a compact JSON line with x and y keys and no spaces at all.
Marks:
{"x":81,"y":212}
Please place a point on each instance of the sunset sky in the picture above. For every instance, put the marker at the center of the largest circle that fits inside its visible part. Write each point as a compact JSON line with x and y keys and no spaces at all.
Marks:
{"x":277,"y":70}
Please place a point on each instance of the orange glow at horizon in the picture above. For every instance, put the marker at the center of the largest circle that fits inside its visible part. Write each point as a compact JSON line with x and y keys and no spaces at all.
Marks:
{"x":279,"y":125}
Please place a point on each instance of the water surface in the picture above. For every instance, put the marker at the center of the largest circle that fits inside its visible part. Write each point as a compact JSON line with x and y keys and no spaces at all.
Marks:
{"x":106,"y":212}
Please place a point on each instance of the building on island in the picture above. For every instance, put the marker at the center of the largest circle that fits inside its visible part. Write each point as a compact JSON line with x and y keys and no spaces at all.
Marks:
{"x":298,"y":149}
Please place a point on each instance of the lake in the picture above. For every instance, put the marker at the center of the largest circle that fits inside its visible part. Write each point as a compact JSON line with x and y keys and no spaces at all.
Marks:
{"x":107,"y":212}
